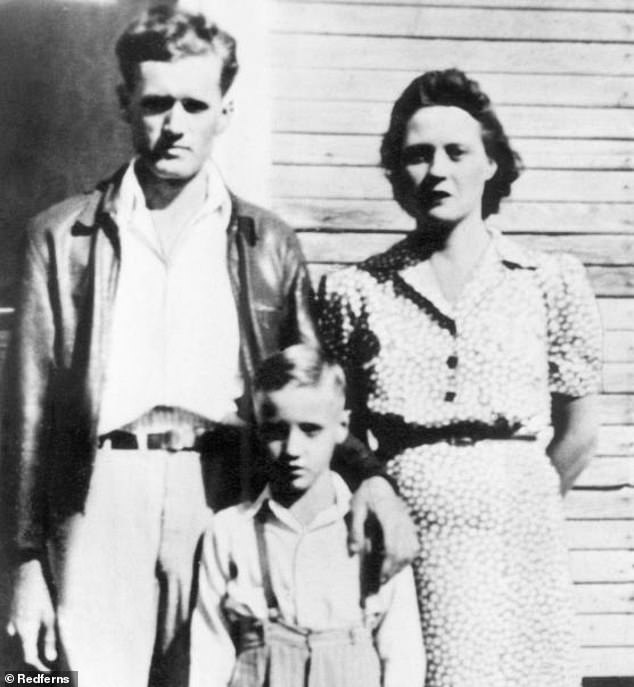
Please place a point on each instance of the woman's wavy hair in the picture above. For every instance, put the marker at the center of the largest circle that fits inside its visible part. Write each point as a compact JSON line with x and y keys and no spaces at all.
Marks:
{"x":450,"y":87}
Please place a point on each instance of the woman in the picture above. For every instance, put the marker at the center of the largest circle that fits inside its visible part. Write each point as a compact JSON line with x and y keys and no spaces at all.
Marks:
{"x":461,"y":348}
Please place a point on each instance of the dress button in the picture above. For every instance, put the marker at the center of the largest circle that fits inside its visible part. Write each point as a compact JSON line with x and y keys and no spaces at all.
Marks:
{"x":450,"y":396}
{"x":452,"y":362}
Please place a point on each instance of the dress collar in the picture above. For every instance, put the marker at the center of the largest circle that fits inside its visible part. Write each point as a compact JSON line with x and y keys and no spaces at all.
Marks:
{"x":511,"y":253}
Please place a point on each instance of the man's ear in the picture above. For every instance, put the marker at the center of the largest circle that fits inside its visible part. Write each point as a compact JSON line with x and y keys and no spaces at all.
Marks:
{"x":123,"y":94}
{"x":228,"y":107}
{"x":344,"y":426}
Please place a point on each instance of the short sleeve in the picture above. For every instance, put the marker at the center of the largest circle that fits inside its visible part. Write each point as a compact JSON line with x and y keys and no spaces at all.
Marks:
{"x":574,"y":331}
{"x":345,"y":338}
{"x":336,"y":316}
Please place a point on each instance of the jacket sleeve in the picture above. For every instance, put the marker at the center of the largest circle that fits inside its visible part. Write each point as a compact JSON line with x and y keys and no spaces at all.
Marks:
{"x":26,"y":417}
{"x":355,"y":462}
{"x":299,"y":325}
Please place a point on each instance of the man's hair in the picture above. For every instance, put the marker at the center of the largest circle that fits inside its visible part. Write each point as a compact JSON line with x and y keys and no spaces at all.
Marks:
{"x":165,"y":34}
{"x":300,"y":365}
{"x":450,"y":87}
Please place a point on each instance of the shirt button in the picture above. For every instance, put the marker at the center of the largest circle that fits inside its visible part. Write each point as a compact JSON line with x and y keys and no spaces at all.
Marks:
{"x":452,"y":362}
{"x":450,"y":396}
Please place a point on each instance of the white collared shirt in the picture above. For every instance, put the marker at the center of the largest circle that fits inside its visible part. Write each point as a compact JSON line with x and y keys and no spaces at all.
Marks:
{"x":316,"y":582}
{"x":174,"y":338}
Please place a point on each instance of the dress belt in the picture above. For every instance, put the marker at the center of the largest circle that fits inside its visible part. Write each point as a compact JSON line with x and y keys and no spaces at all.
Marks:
{"x":395,"y":435}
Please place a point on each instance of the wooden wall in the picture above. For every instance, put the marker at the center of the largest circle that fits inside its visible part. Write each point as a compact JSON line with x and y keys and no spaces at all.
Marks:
{"x":561,"y":73}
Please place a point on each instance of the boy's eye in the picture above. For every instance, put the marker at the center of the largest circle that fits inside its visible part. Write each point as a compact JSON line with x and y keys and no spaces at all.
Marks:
{"x":455,"y":152}
{"x":310,"y":430}
{"x":273,"y":431}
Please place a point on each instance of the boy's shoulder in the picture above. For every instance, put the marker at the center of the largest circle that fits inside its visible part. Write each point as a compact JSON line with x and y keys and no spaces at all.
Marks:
{"x":233,"y":516}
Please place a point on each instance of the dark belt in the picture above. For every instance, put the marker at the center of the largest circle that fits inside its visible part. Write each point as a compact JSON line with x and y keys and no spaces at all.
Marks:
{"x":121,"y":440}
{"x":395,"y":435}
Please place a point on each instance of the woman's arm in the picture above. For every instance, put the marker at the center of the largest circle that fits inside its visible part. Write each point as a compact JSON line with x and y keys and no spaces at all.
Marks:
{"x":576,"y":425}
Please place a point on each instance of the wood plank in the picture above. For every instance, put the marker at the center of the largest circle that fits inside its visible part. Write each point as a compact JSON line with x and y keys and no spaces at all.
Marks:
{"x":617,"y":409}
{"x":618,"y":377}
{"x":570,"y":5}
{"x":611,"y":661}
{"x":332,"y":149}
{"x":612,"y":281}
{"x":609,"y":472}
{"x":582,"y":504}
{"x":539,"y":121}
{"x":616,"y":440}
{"x":420,"y":21}
{"x":291,"y":181}
{"x":600,"y":535}
{"x":357,"y":52}
{"x":603,"y":566}
{"x":385,"y":85}
{"x":604,"y":598}
{"x":617,"y":313}
{"x":355,"y":246}
{"x":606,"y":630}
{"x":515,"y":216}
{"x":618,"y":348}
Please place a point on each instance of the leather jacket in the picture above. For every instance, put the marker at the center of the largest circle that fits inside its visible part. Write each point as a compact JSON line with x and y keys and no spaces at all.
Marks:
{"x":59,"y":347}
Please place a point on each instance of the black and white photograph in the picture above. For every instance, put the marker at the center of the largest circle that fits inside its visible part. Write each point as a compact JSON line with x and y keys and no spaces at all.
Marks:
{"x":317,"y":343}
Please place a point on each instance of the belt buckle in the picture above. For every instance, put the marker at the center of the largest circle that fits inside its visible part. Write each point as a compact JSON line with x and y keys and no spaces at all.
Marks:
{"x":461,"y":441}
{"x":172,"y":440}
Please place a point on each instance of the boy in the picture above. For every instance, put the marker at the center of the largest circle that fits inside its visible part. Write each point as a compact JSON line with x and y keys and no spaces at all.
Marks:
{"x":280,"y":601}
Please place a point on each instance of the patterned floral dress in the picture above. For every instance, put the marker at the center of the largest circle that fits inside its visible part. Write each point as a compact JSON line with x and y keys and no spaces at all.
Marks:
{"x":443,"y":388}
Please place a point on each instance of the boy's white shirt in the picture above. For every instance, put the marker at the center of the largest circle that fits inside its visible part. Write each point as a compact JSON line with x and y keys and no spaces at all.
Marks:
{"x":316,"y":583}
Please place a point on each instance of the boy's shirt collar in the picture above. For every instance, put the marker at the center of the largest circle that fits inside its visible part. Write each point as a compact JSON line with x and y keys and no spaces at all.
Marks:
{"x":337,"y":511}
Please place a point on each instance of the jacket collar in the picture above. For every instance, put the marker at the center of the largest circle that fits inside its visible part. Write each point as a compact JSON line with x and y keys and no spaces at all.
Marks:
{"x":97,"y":211}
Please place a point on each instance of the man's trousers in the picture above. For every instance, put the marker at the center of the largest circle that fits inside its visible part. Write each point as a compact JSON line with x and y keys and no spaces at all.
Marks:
{"x":124,"y":568}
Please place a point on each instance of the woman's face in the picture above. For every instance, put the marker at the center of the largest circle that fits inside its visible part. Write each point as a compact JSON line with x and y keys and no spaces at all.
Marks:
{"x":445,"y":164}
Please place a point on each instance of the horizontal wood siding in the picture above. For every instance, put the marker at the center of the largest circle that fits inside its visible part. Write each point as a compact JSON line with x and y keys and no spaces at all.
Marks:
{"x":560,"y":73}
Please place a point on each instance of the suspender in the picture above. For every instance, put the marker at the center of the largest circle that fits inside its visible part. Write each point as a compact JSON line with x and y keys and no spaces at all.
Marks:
{"x":269,"y":594}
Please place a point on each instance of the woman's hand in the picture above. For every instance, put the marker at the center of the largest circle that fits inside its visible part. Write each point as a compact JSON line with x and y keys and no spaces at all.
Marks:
{"x":576,"y":426}
{"x":376,"y":497}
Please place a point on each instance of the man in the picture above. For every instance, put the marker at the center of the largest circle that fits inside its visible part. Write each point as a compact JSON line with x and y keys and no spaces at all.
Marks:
{"x":145,"y":308}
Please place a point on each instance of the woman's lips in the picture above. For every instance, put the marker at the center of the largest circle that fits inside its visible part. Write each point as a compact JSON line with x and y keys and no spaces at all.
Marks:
{"x":435,"y":197}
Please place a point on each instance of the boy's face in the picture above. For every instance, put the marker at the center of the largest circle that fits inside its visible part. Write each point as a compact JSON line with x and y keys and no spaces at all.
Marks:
{"x":301,"y":425}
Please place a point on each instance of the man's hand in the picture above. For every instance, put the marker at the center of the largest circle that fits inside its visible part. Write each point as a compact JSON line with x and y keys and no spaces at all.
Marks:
{"x":31,"y":613}
{"x":376,"y":496}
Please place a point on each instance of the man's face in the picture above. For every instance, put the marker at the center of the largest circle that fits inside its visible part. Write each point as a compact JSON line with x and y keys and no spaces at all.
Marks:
{"x":300,"y":426}
{"x":175,"y":111}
